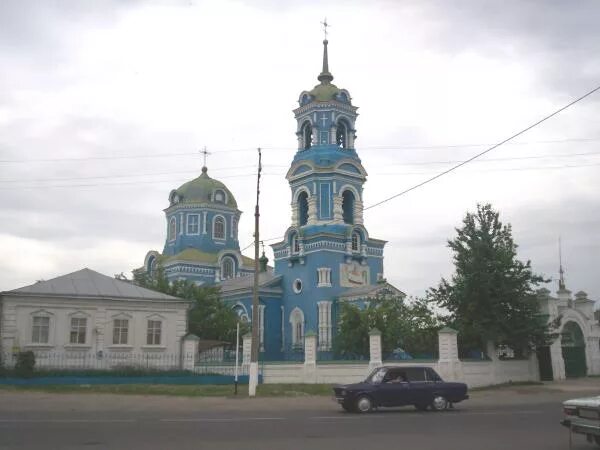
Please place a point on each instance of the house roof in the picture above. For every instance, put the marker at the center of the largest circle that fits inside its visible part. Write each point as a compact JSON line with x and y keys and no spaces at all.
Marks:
{"x":89,"y":283}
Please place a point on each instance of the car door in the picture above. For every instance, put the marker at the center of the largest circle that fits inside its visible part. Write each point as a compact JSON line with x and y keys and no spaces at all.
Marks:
{"x":394,"y":389}
{"x":420,"y":387}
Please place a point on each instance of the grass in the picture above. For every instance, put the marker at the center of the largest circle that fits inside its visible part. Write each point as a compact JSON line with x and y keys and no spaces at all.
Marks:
{"x":263,"y":390}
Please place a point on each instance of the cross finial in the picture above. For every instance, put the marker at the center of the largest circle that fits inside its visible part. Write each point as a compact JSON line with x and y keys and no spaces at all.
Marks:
{"x":205,"y":153}
{"x":325,"y":25}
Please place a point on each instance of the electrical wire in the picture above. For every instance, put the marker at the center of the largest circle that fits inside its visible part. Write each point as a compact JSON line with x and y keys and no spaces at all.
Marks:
{"x":478,"y":155}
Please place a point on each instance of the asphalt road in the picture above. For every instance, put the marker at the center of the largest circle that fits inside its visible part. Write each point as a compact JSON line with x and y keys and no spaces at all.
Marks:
{"x":496,"y":420}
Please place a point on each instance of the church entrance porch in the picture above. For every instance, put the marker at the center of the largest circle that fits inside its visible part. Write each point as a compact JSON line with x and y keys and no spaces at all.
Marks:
{"x":573,"y":350}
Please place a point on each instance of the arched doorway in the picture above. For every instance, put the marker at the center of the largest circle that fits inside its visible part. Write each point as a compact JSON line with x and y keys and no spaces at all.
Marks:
{"x":573,"y":350}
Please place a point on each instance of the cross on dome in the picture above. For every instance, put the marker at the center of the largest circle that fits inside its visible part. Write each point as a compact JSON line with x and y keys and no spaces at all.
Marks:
{"x":204,"y":153}
{"x":325,"y":25}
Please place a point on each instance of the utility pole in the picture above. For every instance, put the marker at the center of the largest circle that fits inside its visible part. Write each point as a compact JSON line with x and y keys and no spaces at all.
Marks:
{"x":253,"y":379}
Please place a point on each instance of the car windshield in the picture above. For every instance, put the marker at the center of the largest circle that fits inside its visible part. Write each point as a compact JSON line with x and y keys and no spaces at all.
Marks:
{"x":376,"y":376}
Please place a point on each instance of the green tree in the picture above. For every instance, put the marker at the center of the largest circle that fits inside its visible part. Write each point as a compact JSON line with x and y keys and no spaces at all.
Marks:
{"x":491,"y":295}
{"x":209,"y":317}
{"x":411,"y":326}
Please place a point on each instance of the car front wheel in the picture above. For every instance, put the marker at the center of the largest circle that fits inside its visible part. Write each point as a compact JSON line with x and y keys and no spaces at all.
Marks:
{"x":364,"y":404}
{"x":439,"y":403}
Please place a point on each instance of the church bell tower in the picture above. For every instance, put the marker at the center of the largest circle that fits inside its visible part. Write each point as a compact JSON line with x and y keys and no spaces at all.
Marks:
{"x":327,"y":250}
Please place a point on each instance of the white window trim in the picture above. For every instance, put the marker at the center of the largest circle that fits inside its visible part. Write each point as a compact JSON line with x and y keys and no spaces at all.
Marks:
{"x":187,"y":223}
{"x":325,"y":325}
{"x":50,"y":317}
{"x":172,"y":236}
{"x":324,"y":277}
{"x":227,"y":258}
{"x":121,"y":344}
{"x":295,"y":288}
{"x":297,"y":316}
{"x":86,"y":330}
{"x":214,"y":222}
{"x":225,"y":196}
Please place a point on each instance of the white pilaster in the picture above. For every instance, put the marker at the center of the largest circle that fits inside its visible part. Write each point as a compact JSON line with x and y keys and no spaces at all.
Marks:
{"x":375,"y":357}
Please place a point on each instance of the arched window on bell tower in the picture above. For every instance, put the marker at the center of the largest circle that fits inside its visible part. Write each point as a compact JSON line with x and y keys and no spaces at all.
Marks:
{"x":302,"y":208}
{"x":348,"y":206}
{"x":341,"y":135}
{"x":306,"y":135}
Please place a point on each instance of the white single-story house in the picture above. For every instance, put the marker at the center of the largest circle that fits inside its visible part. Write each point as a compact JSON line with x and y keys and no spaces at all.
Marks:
{"x":89,"y":320}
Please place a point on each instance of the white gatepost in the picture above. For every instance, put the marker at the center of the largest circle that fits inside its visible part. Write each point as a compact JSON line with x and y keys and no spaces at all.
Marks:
{"x":375,"y":359}
{"x":449,"y":366}
{"x":246,"y":350}
{"x":189,"y":351}
{"x":310,"y":357}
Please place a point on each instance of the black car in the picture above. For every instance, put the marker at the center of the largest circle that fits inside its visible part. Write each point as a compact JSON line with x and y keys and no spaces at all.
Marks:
{"x":400,"y":386}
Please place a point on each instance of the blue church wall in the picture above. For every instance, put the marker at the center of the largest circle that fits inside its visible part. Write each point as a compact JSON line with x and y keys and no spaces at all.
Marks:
{"x":204,"y":239}
{"x":272,"y":321}
{"x":311,"y":294}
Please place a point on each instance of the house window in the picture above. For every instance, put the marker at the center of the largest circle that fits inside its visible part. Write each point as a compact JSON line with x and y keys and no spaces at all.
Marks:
{"x":172,"y":229}
{"x":193,"y":224}
{"x":219,"y":228}
{"x":40,"y":330}
{"x":154,"y":332}
{"x":78,"y":328}
{"x":120,"y":331}
{"x":227,"y":268}
{"x":355,"y":242}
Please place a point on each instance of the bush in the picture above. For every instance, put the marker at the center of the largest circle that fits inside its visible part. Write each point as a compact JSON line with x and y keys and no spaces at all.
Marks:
{"x":25,"y":364}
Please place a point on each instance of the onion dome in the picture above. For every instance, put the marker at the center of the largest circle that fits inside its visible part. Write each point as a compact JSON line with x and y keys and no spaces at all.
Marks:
{"x":203,"y":189}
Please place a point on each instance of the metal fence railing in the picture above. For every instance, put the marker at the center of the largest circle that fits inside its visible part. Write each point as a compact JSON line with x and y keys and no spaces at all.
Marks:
{"x":101,"y":360}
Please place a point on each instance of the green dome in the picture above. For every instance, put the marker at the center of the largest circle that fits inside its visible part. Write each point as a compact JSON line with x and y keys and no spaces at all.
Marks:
{"x":202,"y":190}
{"x":324,"y":92}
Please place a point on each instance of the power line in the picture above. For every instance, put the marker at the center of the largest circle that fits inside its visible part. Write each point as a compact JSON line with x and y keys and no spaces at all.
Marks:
{"x":478,"y":155}
{"x":218,"y":169}
{"x":193,"y":154}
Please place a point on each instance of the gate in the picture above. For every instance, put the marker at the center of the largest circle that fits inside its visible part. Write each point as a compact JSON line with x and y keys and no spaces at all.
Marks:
{"x":545,"y":364}
{"x":574,"y":358}
{"x":573,"y":350}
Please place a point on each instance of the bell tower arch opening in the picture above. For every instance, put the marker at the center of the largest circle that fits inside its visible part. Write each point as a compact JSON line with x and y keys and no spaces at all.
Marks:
{"x":348,"y":201}
{"x":341,"y":134}
{"x":302,"y":208}
{"x":306,"y":132}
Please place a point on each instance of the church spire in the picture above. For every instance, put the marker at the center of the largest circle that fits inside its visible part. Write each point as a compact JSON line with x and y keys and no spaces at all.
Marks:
{"x":325,"y":76}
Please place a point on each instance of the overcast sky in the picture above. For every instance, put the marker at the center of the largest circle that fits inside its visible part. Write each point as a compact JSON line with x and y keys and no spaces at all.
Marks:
{"x":104,"y":106}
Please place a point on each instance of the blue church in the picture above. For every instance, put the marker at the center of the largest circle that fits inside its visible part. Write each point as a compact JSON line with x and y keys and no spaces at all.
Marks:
{"x":326,"y":256}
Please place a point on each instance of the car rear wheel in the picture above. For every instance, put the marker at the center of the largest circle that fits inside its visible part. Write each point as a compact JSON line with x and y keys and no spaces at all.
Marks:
{"x":364,"y":404}
{"x":439,"y":403}
{"x":597,"y":439}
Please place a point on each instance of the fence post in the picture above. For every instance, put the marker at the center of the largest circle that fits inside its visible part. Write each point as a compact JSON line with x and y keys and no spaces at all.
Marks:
{"x":375,"y":359}
{"x":246,"y":350}
{"x":449,"y":365}
{"x":310,"y":357}
{"x":189,"y":350}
